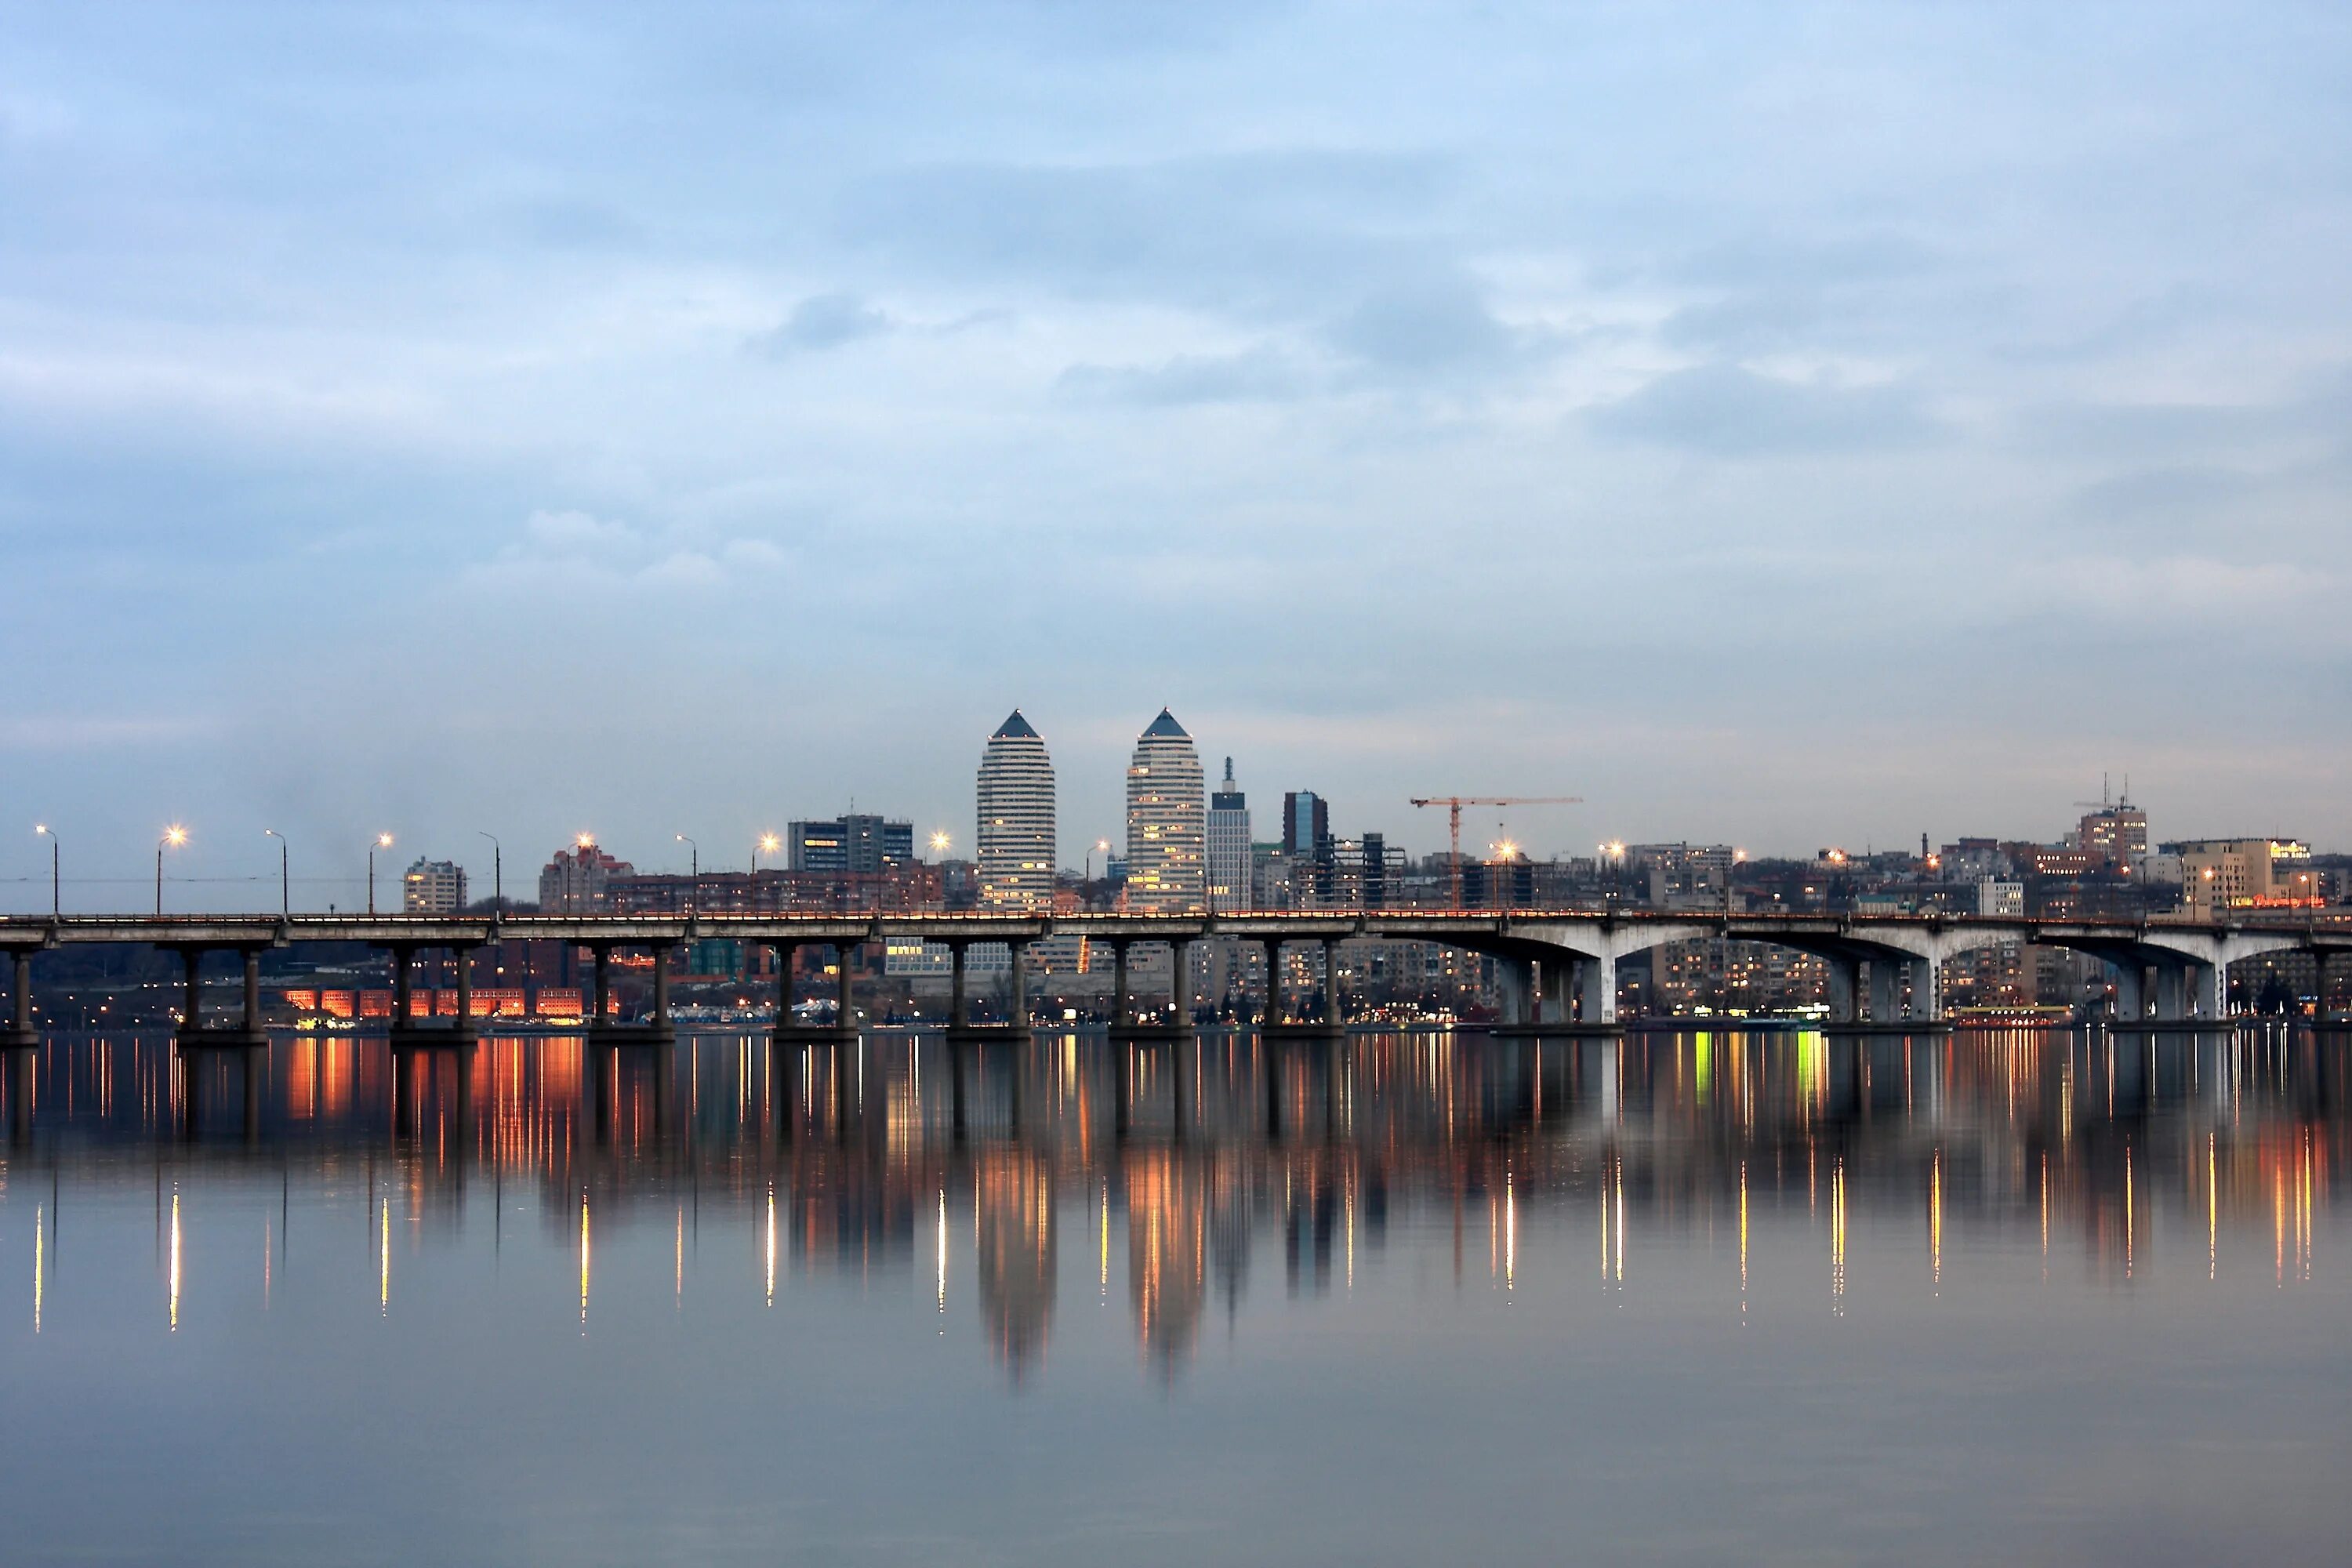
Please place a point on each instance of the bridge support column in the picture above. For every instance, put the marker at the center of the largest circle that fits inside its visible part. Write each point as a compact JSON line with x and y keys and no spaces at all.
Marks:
{"x":1928,"y":990}
{"x":2171,"y":993}
{"x":1844,"y":980}
{"x":1180,"y":984}
{"x":1597,"y":989}
{"x":1883,"y":1009}
{"x":1551,"y":977}
{"x":1333,"y":1016}
{"x":600,"y":1008}
{"x":846,"y":1000}
{"x":1273,"y":984}
{"x":1118,"y":996}
{"x":465,"y":965}
{"x":662,"y":951}
{"x":191,"y":1006}
{"x":2131,"y":997}
{"x":1019,"y":1011}
{"x":2210,"y":983}
{"x":1511,"y":992}
{"x":786,"y":954}
{"x":20,"y":1000}
{"x":957,"y":1015}
{"x":252,"y":994}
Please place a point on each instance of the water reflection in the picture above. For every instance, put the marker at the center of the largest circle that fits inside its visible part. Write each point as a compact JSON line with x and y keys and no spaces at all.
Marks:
{"x":1174,"y":1163}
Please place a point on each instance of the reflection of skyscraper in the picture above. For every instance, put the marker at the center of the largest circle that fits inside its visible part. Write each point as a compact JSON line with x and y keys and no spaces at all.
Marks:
{"x":1229,"y":845}
{"x":1166,"y":852}
{"x":1013,"y":1193}
{"x":1016,"y":820}
{"x":1167,"y":1256}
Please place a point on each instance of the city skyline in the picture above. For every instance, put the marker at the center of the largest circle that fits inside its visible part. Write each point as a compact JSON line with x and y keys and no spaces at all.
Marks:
{"x":1638,"y":421}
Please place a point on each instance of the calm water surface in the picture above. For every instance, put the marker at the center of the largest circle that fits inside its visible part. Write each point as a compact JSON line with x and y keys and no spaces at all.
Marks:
{"x":1409,"y":1300}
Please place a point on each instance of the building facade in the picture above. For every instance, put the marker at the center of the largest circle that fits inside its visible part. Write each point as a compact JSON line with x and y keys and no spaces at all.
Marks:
{"x":1229,"y":845}
{"x":1167,"y":838}
{"x":1016,"y":842}
{"x":860,"y":845}
{"x":577,"y":880}
{"x":433,"y":888}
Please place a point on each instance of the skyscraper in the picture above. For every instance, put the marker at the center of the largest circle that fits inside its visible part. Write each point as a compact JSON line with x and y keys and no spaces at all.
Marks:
{"x":1016,"y":843}
{"x":1167,"y":866}
{"x":1229,"y":845}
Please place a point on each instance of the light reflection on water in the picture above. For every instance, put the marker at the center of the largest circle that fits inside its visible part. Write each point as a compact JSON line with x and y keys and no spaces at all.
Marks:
{"x":1902,"y":1274}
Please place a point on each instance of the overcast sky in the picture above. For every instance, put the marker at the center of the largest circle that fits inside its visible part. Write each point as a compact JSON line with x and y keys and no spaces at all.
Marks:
{"x":1781,"y":425}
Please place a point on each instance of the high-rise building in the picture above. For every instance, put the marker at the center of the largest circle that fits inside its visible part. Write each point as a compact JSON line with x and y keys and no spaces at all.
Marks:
{"x":2114,"y":834}
{"x":1229,"y":845}
{"x":857,"y":844}
{"x":1167,"y":863}
{"x":433,"y":888}
{"x":1309,"y":846}
{"x":576,"y":880}
{"x":1016,"y":843}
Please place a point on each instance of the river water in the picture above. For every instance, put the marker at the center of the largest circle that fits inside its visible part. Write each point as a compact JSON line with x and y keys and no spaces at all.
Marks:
{"x":1410,"y":1299}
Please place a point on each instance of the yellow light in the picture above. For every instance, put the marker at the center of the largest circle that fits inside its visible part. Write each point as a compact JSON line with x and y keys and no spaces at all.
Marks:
{"x":176,"y":836}
{"x":770,"y":841}
{"x":585,"y":840}
{"x":939,"y":843}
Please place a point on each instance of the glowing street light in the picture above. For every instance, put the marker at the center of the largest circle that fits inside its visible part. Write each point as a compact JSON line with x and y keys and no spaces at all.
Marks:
{"x":380,"y":841}
{"x":941,"y":842}
{"x":43,"y":830}
{"x":173,"y":837}
{"x":767,"y":843}
{"x":693,"y":851}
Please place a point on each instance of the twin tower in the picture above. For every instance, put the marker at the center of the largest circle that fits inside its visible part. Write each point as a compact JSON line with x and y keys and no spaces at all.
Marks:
{"x":1167,"y":871}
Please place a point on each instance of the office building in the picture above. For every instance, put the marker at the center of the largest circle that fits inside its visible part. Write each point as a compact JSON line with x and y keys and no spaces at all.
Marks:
{"x":854,"y":844}
{"x":1229,"y":845}
{"x":1167,"y":850}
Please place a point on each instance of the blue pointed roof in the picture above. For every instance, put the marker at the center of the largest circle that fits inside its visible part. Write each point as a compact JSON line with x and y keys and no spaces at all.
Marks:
{"x":1166,"y":728}
{"x":1015,"y":728}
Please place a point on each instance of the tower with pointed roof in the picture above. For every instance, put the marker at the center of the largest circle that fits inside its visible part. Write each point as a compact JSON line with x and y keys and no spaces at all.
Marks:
{"x":1015,"y":841}
{"x":1167,"y":862}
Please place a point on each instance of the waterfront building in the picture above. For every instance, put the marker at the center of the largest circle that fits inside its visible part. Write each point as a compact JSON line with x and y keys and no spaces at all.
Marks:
{"x":1229,"y":845}
{"x":1016,"y":842}
{"x":578,"y":880}
{"x":1167,"y":868}
{"x":433,"y":888}
{"x":2223,"y":874}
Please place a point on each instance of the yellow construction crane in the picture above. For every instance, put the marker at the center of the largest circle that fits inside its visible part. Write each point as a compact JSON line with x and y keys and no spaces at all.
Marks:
{"x":1453,"y":804}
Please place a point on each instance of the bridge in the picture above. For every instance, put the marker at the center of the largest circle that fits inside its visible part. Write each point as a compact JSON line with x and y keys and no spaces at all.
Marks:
{"x":1557,"y":968}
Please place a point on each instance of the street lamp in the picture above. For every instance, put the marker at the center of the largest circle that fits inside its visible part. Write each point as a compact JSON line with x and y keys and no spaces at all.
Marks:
{"x":173,"y":837}
{"x":767,"y":841}
{"x":498,"y":872}
{"x":694,"y":853}
{"x":382,"y":841}
{"x":42,"y":830}
{"x":285,"y":882}
{"x":940,"y":843}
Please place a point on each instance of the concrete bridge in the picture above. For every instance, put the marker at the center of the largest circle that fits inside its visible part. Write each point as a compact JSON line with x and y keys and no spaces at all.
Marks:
{"x":1558,"y":968}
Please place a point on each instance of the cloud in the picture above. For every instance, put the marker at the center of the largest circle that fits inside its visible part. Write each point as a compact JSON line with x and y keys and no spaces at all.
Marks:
{"x":579,"y":551}
{"x":1257,"y":375}
{"x":1726,"y":411}
{"x":1429,"y":325}
{"x":824,"y":321}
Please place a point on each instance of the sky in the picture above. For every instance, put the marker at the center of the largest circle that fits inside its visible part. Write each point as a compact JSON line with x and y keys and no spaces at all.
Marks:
{"x":1785,"y":424}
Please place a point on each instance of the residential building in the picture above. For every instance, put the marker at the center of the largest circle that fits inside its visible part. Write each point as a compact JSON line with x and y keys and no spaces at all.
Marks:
{"x":1016,"y":842}
{"x":433,"y":888}
{"x":1167,"y":868}
{"x":577,"y":881}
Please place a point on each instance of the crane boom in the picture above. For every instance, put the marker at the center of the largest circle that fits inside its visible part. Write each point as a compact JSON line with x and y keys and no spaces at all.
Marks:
{"x":1453,"y":804}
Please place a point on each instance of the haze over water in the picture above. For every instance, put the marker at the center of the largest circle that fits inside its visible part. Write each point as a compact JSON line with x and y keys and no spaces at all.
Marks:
{"x":1408,"y":1300}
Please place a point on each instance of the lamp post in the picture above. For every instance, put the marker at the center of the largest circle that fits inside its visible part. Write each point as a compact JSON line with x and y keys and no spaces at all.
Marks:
{"x":767,"y":841}
{"x":285,"y":881}
{"x":173,"y":837}
{"x":498,"y":872}
{"x":694,"y":868}
{"x":43,"y":830}
{"x":380,"y":841}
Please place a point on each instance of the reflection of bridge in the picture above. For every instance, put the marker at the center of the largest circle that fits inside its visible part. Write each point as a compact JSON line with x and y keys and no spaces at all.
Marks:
{"x":1558,"y":968}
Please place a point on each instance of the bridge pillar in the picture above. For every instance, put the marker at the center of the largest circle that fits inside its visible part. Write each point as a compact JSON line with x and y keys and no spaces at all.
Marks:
{"x":191,"y":1006}
{"x":1597,"y":989}
{"x":1882,"y":990}
{"x":2171,"y":993}
{"x":1845,"y":979}
{"x":465,"y":965}
{"x":600,"y":954}
{"x":1272,"y":982}
{"x":1333,"y":1017}
{"x":1511,"y":991}
{"x":956,"y":1008}
{"x":252,"y":993}
{"x":662,"y":951}
{"x":1019,"y":1011}
{"x":1118,"y":996}
{"x":1180,"y":984}
{"x":1552,"y":974}
{"x":2131,"y":997}
{"x":786,"y":954}
{"x":1926,"y":989}
{"x":2210,"y":983}
{"x":20,"y":999}
{"x":846,"y":1002}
